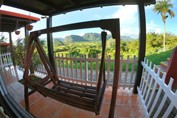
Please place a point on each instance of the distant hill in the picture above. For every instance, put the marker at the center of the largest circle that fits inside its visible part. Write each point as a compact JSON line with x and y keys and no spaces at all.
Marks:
{"x":58,"y":41}
{"x":88,"y":37}
{"x":73,"y":38}
{"x":91,"y":36}
{"x":126,"y":38}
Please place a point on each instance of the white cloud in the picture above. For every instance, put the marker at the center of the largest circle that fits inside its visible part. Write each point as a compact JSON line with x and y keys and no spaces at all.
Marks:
{"x":152,"y":27}
{"x":129,"y":19}
{"x":127,"y":14}
{"x":149,"y":7}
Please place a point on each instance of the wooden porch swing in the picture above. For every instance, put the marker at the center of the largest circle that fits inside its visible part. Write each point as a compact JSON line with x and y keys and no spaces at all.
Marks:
{"x":81,"y":96}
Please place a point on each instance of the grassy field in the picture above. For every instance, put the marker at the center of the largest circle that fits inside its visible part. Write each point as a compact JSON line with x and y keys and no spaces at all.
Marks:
{"x":160,"y":57}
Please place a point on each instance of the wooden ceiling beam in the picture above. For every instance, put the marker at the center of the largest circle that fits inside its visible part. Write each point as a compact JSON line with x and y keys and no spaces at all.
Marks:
{"x":72,"y":2}
{"x":49,"y":3}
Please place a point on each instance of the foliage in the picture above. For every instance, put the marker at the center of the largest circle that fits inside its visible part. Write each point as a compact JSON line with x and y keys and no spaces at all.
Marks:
{"x":92,"y":36}
{"x":159,"y":57}
{"x":73,"y":38}
{"x":154,"y":44}
{"x":3,"y":39}
{"x":20,"y":51}
{"x":58,"y":42}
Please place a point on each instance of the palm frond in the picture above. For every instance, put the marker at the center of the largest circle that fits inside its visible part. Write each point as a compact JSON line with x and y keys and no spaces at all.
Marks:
{"x":172,"y":14}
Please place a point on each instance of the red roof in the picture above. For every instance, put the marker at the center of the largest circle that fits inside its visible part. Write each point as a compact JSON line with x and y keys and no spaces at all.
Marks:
{"x":4,"y":44}
{"x":18,"y":15}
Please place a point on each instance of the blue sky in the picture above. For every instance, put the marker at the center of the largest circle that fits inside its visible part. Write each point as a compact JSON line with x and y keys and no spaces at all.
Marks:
{"x":129,"y":20}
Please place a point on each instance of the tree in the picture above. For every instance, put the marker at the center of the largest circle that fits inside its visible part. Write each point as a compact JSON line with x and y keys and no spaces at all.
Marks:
{"x":163,"y":7}
{"x":20,"y":52}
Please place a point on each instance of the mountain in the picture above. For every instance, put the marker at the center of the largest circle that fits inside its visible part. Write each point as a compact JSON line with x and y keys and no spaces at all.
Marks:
{"x":58,"y":41}
{"x":73,"y":38}
{"x":88,"y":37}
{"x":92,"y":36}
{"x":126,"y":38}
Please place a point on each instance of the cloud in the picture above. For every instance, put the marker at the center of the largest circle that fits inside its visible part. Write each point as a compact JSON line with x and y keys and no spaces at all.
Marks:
{"x":149,"y":7}
{"x":152,"y":27}
{"x":129,"y":19}
{"x":127,"y":14}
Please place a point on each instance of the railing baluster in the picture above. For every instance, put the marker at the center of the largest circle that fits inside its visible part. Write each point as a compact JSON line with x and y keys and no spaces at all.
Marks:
{"x":108,"y":70}
{"x":86,"y":69}
{"x":91,"y":69}
{"x":126,"y":71}
{"x":120,"y":72}
{"x":97,"y":60}
{"x":59,"y":64}
{"x":81,"y":68}
{"x":67,"y":71}
{"x":132,"y":72}
{"x":71,"y":66}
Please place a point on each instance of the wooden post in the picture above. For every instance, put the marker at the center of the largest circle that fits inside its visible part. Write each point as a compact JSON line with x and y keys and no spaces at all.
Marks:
{"x":142,"y":44}
{"x":50,"y":44}
{"x":11,"y":49}
{"x":116,"y":36}
{"x":26,"y":32}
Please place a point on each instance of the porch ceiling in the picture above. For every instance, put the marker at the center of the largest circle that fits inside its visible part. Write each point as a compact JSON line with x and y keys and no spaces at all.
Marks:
{"x":53,"y":7}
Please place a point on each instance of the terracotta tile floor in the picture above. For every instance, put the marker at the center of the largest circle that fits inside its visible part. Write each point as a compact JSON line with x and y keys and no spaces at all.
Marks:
{"x":127,"y":104}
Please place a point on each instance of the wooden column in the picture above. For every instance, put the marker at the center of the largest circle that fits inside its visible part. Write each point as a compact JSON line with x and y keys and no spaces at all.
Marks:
{"x":11,"y":48}
{"x":142,"y":44}
{"x":26,"y":36}
{"x":50,"y":44}
{"x":26,"y":32}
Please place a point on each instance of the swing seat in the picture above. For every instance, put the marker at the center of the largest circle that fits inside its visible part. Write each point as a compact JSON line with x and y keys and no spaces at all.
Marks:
{"x":77,"y":95}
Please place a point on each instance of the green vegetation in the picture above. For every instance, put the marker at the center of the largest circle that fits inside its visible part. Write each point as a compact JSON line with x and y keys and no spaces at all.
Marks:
{"x":154,"y":44}
{"x":160,"y":57}
{"x":20,"y":53}
{"x":154,"y":48}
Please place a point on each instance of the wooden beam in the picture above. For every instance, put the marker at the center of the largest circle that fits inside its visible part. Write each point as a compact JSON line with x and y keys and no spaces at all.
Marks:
{"x":142,"y":44}
{"x":50,"y":43}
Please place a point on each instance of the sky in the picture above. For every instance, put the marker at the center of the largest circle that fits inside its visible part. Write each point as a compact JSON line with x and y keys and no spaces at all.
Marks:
{"x":128,"y":15}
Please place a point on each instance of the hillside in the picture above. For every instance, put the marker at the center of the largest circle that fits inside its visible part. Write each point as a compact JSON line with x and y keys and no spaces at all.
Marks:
{"x":89,"y":37}
{"x":74,"y":38}
{"x":160,"y":57}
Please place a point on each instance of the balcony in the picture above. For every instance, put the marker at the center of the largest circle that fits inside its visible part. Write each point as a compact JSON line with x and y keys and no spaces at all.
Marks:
{"x":129,"y":105}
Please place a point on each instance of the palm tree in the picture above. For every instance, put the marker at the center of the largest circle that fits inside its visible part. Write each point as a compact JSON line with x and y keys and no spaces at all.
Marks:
{"x":163,"y":7}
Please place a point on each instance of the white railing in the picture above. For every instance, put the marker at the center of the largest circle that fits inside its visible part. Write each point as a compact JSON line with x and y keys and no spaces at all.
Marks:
{"x":159,"y":101}
{"x":85,"y":70}
{"x":5,"y":60}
